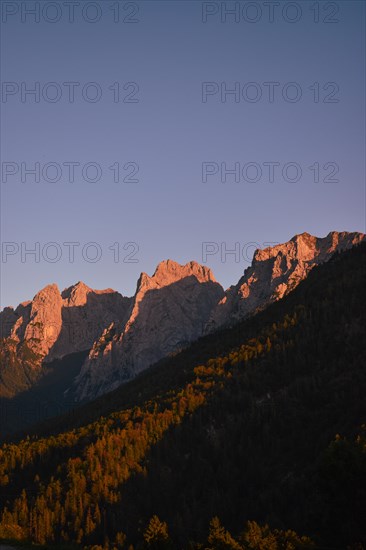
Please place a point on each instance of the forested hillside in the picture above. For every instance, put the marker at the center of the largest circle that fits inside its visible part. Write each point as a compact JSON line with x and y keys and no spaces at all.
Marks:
{"x":260,"y":424}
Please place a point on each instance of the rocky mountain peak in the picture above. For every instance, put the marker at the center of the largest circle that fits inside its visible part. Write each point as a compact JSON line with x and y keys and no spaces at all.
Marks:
{"x":55,"y":324}
{"x":76,"y":295}
{"x":169,"y":271}
{"x":170,"y":309}
{"x":301,"y":247}
{"x":44,"y":324}
{"x":48,"y":292}
{"x":275,"y":271}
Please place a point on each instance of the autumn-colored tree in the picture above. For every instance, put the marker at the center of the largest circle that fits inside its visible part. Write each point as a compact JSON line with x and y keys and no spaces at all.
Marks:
{"x":156,"y":535}
{"x":258,"y":537}
{"x":219,"y":538}
{"x":120,"y":540}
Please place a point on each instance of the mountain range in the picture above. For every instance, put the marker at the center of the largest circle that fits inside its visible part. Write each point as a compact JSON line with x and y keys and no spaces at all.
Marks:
{"x":253,"y":437}
{"x":123,"y":336}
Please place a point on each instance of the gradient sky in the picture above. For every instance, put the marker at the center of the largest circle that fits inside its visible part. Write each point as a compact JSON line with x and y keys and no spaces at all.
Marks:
{"x":170,"y":132}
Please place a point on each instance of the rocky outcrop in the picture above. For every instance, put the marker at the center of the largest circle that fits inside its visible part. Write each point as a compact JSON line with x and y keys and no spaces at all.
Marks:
{"x":169,"y":310}
{"x":85,"y":314}
{"x":274,"y":272}
{"x":56,"y":324}
{"x":37,"y":322}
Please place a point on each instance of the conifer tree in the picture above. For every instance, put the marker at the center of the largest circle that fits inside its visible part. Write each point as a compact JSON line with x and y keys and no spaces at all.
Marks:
{"x":156,"y":535}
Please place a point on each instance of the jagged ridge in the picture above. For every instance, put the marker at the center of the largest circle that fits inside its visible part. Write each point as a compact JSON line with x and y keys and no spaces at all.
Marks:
{"x":170,"y":309}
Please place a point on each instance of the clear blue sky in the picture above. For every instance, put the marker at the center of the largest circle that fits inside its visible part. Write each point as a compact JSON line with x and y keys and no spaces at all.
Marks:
{"x":170,"y":132}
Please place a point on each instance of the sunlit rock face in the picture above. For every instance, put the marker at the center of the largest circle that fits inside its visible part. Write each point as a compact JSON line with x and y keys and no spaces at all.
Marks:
{"x":169,"y":310}
{"x":38,"y":322}
{"x":56,"y":324}
{"x":274,"y":272}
